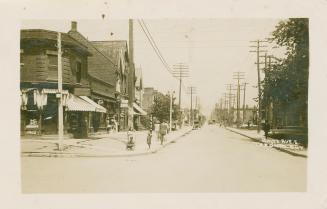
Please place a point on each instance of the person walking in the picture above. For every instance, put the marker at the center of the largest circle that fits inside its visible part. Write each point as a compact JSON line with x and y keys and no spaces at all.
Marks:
{"x":148,"y":138}
{"x":162,"y":132}
{"x":156,"y":129}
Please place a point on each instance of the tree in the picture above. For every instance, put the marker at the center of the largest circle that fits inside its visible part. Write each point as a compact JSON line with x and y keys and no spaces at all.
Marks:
{"x":161,"y":106}
{"x":286,"y":83}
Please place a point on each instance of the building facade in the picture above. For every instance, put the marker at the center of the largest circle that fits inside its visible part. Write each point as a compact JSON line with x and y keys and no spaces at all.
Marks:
{"x":39,"y":83}
{"x":117,"y":52}
{"x":103,"y":75}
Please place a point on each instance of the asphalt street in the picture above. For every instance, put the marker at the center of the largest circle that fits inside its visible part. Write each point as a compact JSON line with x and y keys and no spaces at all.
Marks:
{"x":210,"y":159}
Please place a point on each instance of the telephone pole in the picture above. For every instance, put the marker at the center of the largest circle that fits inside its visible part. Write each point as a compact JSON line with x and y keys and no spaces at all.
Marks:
{"x":259,"y":50}
{"x":268,"y":64}
{"x":170,"y":109}
{"x":238,"y":76}
{"x":191,"y":90}
{"x":131,"y":75}
{"x":180,"y":71}
{"x":244,"y":88}
{"x":229,"y":88}
{"x":225,"y":108}
{"x":59,"y":96}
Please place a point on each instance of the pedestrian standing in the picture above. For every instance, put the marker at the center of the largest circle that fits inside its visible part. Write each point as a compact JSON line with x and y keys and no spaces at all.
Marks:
{"x":156,"y":129}
{"x":108,"y":124}
{"x":266,"y":129}
{"x":148,"y":138}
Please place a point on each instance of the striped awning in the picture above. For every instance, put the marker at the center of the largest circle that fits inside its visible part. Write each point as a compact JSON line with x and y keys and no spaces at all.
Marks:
{"x":138,"y":109}
{"x":98,"y":108}
{"x":75,"y":103}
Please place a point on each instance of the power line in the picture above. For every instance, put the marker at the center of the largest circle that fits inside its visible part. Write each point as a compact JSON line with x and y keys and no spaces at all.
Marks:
{"x":154,"y":46}
{"x":150,"y":38}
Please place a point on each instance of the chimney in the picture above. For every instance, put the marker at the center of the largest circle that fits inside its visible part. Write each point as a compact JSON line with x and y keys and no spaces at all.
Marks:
{"x":74,"y":26}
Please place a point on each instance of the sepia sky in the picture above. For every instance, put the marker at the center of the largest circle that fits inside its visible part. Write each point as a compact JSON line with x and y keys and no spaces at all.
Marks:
{"x":213,"y":49}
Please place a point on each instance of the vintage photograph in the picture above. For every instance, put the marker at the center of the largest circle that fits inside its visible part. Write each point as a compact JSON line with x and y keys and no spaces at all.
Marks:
{"x":164,"y":105}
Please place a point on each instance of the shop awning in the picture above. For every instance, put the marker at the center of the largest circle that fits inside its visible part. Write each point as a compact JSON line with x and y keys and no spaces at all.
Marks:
{"x":138,"y":109}
{"x":98,"y":108}
{"x":75,"y":103}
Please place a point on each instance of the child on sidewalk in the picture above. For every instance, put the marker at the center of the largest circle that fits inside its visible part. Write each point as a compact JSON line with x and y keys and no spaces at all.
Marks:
{"x":148,"y":138}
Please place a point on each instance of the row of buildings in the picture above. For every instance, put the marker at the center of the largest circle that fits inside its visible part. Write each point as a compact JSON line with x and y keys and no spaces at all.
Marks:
{"x":229,"y":115}
{"x":100,"y":82}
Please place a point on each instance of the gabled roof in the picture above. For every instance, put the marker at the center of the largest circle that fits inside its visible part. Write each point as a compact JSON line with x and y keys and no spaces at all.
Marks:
{"x":100,"y":65}
{"x":112,"y":49}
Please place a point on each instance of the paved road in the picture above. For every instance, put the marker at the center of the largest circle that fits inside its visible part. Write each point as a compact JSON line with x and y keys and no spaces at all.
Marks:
{"x":211,"y":159}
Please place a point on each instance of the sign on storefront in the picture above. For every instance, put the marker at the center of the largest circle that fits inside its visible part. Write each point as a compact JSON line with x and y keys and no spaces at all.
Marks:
{"x":124,"y":103}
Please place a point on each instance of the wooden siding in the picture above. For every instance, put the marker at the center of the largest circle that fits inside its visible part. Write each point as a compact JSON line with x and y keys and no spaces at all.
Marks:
{"x":102,"y":88}
{"x":99,"y":65}
{"x":42,"y":68}
{"x":34,"y":68}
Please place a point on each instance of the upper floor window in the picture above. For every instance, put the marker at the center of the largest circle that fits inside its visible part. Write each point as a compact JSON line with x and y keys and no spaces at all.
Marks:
{"x":53,"y":61}
{"x":52,"y":67}
{"x":78,"y":72}
{"x":21,"y":58}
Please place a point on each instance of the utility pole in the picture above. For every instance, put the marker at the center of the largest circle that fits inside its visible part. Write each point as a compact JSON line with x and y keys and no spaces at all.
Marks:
{"x":191,"y":90}
{"x":59,"y":96}
{"x":225,"y":108}
{"x":170,"y":109}
{"x":229,"y":88}
{"x":238,"y":76}
{"x":258,"y":51}
{"x":267,"y":71}
{"x":244,"y":101}
{"x":131,"y":74}
{"x":180,"y":71}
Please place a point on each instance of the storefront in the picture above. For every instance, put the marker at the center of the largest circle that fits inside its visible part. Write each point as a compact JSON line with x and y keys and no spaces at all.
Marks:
{"x":39,"y":112}
{"x":138,"y":112}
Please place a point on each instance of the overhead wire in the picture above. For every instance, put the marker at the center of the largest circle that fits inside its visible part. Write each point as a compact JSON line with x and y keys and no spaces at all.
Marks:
{"x":155,"y":47}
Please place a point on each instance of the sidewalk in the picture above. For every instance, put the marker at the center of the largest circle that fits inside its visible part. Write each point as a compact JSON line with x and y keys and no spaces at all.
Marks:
{"x":98,"y":145}
{"x":286,"y":146}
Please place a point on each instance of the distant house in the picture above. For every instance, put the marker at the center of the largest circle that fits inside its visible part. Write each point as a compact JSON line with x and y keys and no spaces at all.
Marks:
{"x":39,"y":83}
{"x":118,"y":52}
{"x":148,"y":98}
{"x":103,"y":75}
{"x":249,"y":115}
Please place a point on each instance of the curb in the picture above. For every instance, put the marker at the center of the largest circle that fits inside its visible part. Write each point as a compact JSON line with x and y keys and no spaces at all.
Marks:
{"x":277,"y":148}
{"x":58,"y":154}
